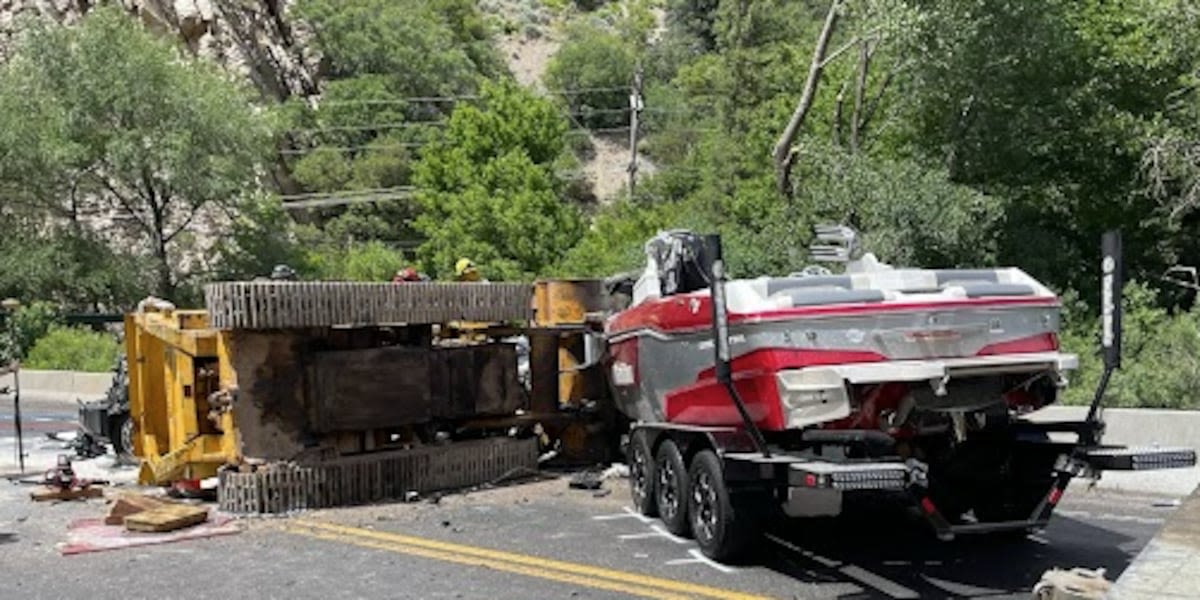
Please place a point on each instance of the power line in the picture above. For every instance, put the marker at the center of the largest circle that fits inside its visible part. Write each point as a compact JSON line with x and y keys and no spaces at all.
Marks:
{"x":305,"y":151}
{"x":454,"y":98}
{"x":380,"y":126}
{"x":339,"y":198}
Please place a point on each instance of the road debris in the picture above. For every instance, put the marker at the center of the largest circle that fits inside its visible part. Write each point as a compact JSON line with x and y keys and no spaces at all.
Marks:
{"x":130,"y":504}
{"x":92,"y":535}
{"x":617,"y":471}
{"x":60,"y":483}
{"x":586,"y":480}
{"x":167,"y":517}
{"x":1075,"y":584}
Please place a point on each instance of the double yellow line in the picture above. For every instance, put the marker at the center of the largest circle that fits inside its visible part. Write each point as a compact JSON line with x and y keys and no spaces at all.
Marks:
{"x":633,"y":584}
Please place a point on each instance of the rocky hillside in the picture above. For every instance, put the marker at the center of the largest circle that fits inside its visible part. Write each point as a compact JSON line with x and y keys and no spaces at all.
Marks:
{"x":255,"y":38}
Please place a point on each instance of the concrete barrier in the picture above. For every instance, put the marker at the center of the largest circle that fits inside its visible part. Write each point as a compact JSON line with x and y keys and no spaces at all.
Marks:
{"x":1140,"y":427}
{"x":1135,"y":426}
{"x":66,"y":386}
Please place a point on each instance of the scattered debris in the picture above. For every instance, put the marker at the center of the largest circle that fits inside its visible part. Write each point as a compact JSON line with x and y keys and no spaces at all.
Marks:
{"x":602,"y":493}
{"x":60,"y":483}
{"x":167,"y":517}
{"x":617,"y":471}
{"x":586,"y":480}
{"x":92,"y":535}
{"x":1075,"y":584}
{"x":411,"y":496}
{"x":130,"y":504}
{"x":1168,"y":503}
{"x":62,"y":436}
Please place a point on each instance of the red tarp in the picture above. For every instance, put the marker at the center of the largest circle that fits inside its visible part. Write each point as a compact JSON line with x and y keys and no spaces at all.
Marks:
{"x":92,"y":535}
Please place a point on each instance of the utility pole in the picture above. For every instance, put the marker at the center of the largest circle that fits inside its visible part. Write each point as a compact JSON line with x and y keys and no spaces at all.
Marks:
{"x":636,"y":105}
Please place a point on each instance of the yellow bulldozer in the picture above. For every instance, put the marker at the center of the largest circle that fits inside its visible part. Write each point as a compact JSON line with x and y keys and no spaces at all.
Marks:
{"x":308,"y":394}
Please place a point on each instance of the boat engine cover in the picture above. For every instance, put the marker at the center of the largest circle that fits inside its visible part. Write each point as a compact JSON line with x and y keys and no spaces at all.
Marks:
{"x":812,"y":396}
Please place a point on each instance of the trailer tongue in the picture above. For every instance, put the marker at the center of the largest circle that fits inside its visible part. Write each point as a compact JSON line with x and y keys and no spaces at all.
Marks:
{"x":905,"y":382}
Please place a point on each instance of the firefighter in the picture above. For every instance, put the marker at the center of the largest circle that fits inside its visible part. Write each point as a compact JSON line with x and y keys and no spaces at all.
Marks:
{"x":409,"y":275}
{"x":464,"y":270}
{"x":283,"y":273}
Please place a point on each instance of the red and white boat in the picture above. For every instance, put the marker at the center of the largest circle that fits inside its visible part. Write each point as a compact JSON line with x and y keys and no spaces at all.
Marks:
{"x":866,"y":348}
{"x":791,"y":394}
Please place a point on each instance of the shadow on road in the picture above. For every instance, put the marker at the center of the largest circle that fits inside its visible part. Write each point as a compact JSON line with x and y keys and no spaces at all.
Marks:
{"x":891,"y":554}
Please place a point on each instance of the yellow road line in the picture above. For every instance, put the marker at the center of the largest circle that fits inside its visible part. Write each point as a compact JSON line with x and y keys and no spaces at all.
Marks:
{"x":537,"y":562}
{"x":601,"y":584}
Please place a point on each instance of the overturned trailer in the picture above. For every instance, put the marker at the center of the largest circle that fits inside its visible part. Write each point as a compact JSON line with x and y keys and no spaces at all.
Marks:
{"x":785,"y":396}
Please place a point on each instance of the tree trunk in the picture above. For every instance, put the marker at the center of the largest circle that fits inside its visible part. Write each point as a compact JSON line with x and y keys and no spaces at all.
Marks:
{"x":783,"y":154}
{"x":860,"y":91}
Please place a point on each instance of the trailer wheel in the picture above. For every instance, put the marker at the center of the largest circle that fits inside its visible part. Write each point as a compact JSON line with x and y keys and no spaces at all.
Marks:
{"x":722,"y":527}
{"x":671,"y":488}
{"x":122,"y":438}
{"x":642,"y":474}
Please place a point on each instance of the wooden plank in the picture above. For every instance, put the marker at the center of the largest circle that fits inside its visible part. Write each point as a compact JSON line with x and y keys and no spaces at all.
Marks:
{"x":48,"y":493}
{"x":130,"y":504}
{"x":166,"y":518}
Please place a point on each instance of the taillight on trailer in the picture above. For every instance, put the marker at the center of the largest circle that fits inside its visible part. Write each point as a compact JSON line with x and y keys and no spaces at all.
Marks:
{"x":1054,"y":497}
{"x":928,"y":506}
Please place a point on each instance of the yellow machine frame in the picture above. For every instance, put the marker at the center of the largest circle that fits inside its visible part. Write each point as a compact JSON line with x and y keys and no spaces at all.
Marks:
{"x":181,"y":378}
{"x":178,"y":368}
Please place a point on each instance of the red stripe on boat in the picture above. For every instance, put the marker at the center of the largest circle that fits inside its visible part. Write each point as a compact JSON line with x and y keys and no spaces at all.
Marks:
{"x":688,"y":312}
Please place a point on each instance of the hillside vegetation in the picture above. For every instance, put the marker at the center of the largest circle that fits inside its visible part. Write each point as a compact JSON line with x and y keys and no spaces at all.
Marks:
{"x":949,"y":133}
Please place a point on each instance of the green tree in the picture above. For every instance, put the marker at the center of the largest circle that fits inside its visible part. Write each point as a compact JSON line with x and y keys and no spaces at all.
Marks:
{"x":594,"y":68}
{"x":395,"y":70}
{"x":489,"y":190}
{"x":24,"y":327}
{"x":105,"y":118}
{"x":1160,"y":366}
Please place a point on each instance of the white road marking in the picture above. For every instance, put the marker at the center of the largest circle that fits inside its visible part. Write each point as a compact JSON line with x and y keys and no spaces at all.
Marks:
{"x":882,"y":584}
{"x":655,"y":531}
{"x":700,"y":558}
{"x":805,"y":553}
{"x":669,"y":535}
{"x":628,"y":514}
{"x":1083,"y":514}
{"x":854,"y":572}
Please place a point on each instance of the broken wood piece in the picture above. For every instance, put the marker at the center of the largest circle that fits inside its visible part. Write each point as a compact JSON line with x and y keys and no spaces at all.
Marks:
{"x":48,"y":493}
{"x":167,"y":517}
{"x":130,"y":504}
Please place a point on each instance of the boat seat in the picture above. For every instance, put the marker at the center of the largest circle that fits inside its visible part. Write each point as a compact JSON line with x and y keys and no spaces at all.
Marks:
{"x":817,"y":297}
{"x":983,"y":290}
{"x":776,"y":285}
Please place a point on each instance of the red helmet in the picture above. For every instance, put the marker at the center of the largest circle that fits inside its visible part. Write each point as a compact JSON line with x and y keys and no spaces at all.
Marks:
{"x":409,"y":274}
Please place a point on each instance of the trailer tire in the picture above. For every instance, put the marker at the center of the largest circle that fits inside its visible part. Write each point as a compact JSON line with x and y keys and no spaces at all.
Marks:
{"x":122,"y":438}
{"x":723,"y":527}
{"x":642,"y":475}
{"x":671,"y":488}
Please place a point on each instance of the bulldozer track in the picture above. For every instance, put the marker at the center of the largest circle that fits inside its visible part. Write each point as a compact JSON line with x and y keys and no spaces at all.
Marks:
{"x":282,"y":304}
{"x":287,"y":487}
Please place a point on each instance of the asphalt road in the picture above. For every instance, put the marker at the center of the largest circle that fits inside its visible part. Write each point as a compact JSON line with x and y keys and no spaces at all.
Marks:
{"x":38,"y":416}
{"x":543,"y":540}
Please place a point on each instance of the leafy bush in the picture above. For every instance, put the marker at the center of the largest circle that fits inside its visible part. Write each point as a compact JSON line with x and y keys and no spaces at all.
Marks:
{"x":73,"y":349}
{"x":1160,"y":366}
{"x":24,"y":327}
{"x":371,"y":261}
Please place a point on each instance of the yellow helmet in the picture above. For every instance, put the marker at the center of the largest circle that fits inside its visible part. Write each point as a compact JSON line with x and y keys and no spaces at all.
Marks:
{"x":463,"y":266}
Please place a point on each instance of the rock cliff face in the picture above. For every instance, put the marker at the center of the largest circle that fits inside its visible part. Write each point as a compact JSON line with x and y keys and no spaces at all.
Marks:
{"x":254,"y":38}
